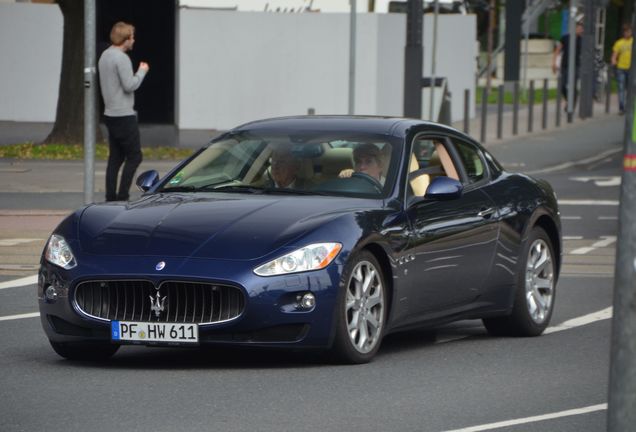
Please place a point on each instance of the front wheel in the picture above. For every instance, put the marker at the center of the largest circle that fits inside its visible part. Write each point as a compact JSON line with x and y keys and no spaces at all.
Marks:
{"x":85,"y":351}
{"x":534,"y":295}
{"x":361,"y":310}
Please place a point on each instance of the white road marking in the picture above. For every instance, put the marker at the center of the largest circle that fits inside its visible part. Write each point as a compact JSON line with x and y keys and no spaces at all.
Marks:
{"x":583,"y":202}
{"x":571,"y":218}
{"x":607,"y":240}
{"x":608,"y":218}
{"x":555,"y":415}
{"x":29,"y":280}
{"x":587,"y":275}
{"x":600,"y":181}
{"x":581,"y":321}
{"x":21,"y":316}
{"x":572,"y":237}
{"x":17,"y":241}
{"x":585,"y":161}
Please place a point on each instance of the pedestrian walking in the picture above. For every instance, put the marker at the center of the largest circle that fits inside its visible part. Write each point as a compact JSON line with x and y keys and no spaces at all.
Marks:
{"x":118,"y":84}
{"x":561,"y":59}
{"x":622,"y":61}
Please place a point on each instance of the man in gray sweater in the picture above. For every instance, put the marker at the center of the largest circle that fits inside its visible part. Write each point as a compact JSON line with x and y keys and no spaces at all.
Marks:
{"x":118,"y":84}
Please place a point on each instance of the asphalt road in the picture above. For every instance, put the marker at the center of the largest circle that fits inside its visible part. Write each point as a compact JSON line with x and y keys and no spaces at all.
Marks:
{"x":452,"y":378}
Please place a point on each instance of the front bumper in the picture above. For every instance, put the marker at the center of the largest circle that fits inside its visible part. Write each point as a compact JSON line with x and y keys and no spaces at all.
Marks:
{"x":270,"y":317}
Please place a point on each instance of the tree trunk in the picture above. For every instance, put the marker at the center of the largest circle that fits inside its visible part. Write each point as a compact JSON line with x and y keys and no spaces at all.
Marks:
{"x":69,"y":117}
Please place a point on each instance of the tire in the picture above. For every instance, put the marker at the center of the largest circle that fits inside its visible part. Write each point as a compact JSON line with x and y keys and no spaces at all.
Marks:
{"x":85,"y":351}
{"x":535,"y":291}
{"x":360,"y":313}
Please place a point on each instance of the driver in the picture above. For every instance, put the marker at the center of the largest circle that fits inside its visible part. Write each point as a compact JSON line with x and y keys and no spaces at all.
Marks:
{"x":367,"y":159}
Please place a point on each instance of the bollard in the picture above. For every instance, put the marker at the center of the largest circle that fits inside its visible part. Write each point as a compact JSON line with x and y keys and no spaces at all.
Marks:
{"x":484,"y":113}
{"x":558,"y":101}
{"x":544,"y":118}
{"x":531,"y":106}
{"x":515,"y":108}
{"x":500,"y":100}
{"x":608,"y":93}
{"x":466,"y":111}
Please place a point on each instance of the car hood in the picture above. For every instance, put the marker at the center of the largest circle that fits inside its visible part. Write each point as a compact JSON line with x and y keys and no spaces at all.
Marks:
{"x":201,"y":226}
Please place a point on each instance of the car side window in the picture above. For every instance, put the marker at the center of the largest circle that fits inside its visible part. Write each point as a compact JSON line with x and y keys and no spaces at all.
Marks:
{"x":472,"y":160}
{"x":429,"y":159}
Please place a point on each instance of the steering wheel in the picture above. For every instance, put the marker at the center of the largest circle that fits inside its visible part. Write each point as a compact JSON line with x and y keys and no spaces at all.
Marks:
{"x":369,"y":179}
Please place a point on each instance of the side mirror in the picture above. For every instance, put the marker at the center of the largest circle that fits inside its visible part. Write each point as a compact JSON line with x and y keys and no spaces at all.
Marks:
{"x":146,"y":180}
{"x":444,"y":188}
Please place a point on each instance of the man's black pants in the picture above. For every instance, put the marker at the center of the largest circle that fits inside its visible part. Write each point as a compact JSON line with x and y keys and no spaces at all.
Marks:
{"x":124,"y":148}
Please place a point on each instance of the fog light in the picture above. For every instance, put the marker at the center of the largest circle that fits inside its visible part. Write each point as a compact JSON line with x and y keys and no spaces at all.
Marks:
{"x":308,"y":301}
{"x":51,"y":293}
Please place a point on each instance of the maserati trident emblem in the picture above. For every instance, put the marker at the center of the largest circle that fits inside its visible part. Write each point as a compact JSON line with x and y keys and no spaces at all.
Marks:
{"x":160,"y":265}
{"x":158,"y":304}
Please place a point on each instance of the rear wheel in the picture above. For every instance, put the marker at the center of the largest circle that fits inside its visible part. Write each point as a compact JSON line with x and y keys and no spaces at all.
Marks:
{"x":361,"y":310}
{"x":534,"y":296}
{"x":84,"y":350}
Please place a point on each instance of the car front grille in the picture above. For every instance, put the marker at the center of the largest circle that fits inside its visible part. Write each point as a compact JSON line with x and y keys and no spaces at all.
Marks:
{"x":140,"y":300}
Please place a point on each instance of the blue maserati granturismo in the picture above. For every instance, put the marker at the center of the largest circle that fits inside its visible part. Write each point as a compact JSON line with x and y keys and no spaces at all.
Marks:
{"x":317,"y":232}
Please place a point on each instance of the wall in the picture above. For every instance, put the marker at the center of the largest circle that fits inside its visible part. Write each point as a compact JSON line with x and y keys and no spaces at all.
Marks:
{"x":31,"y":53}
{"x":254,"y":65}
{"x":237,"y":67}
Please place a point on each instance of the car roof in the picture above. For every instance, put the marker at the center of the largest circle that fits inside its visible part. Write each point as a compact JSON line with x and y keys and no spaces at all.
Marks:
{"x":394,"y":126}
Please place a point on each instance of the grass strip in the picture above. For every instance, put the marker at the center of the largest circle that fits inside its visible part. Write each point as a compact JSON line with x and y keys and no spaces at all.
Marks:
{"x":31,"y":150}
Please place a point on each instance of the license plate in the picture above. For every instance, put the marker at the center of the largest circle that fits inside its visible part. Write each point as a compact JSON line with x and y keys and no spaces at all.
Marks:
{"x":146,"y":332}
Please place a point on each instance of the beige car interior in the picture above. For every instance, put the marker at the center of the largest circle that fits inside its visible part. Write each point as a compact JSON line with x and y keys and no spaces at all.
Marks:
{"x":441,"y":158}
{"x":334,"y":160}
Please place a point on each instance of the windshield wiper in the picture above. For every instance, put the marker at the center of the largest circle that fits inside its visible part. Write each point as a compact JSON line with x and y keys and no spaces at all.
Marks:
{"x":287,"y":191}
{"x":179,"y":189}
{"x":234,"y":188}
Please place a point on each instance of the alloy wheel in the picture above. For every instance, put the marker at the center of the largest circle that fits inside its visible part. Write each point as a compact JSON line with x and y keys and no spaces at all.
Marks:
{"x":364,"y":307}
{"x":539,"y":281}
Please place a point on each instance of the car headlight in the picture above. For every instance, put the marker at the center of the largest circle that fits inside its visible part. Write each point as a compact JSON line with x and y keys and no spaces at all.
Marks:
{"x":58,"y":252}
{"x":313,"y":257}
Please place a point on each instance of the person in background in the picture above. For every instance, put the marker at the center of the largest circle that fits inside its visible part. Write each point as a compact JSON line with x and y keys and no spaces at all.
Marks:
{"x":622,"y":61}
{"x":562,"y":52}
{"x":118,"y":84}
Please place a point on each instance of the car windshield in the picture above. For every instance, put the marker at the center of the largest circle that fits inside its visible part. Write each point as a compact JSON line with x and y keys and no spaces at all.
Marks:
{"x":339,"y":164}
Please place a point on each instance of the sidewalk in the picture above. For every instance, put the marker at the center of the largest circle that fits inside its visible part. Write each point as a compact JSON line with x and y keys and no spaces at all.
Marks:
{"x":474,"y":126}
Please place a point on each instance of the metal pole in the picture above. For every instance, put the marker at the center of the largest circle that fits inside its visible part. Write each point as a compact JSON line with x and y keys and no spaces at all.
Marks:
{"x":526,"y":37}
{"x":500,"y":101}
{"x":413,"y":60}
{"x":571,"y":60}
{"x":531,"y":106}
{"x":586,"y":101}
{"x":484,"y":113}
{"x":544,"y":100}
{"x":352,"y":57}
{"x":621,"y":415}
{"x":608,"y":91}
{"x":466,"y":111}
{"x":559,"y":100}
{"x":491,"y":26}
{"x":89,"y":100}
{"x":515,"y":108}
{"x":433,"y":63}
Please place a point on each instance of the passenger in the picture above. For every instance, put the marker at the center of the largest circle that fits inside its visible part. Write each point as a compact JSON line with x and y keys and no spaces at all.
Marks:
{"x":367,"y":159}
{"x":284,"y":169}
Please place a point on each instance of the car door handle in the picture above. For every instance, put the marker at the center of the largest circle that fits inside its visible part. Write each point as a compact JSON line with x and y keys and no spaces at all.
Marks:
{"x":486,"y":213}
